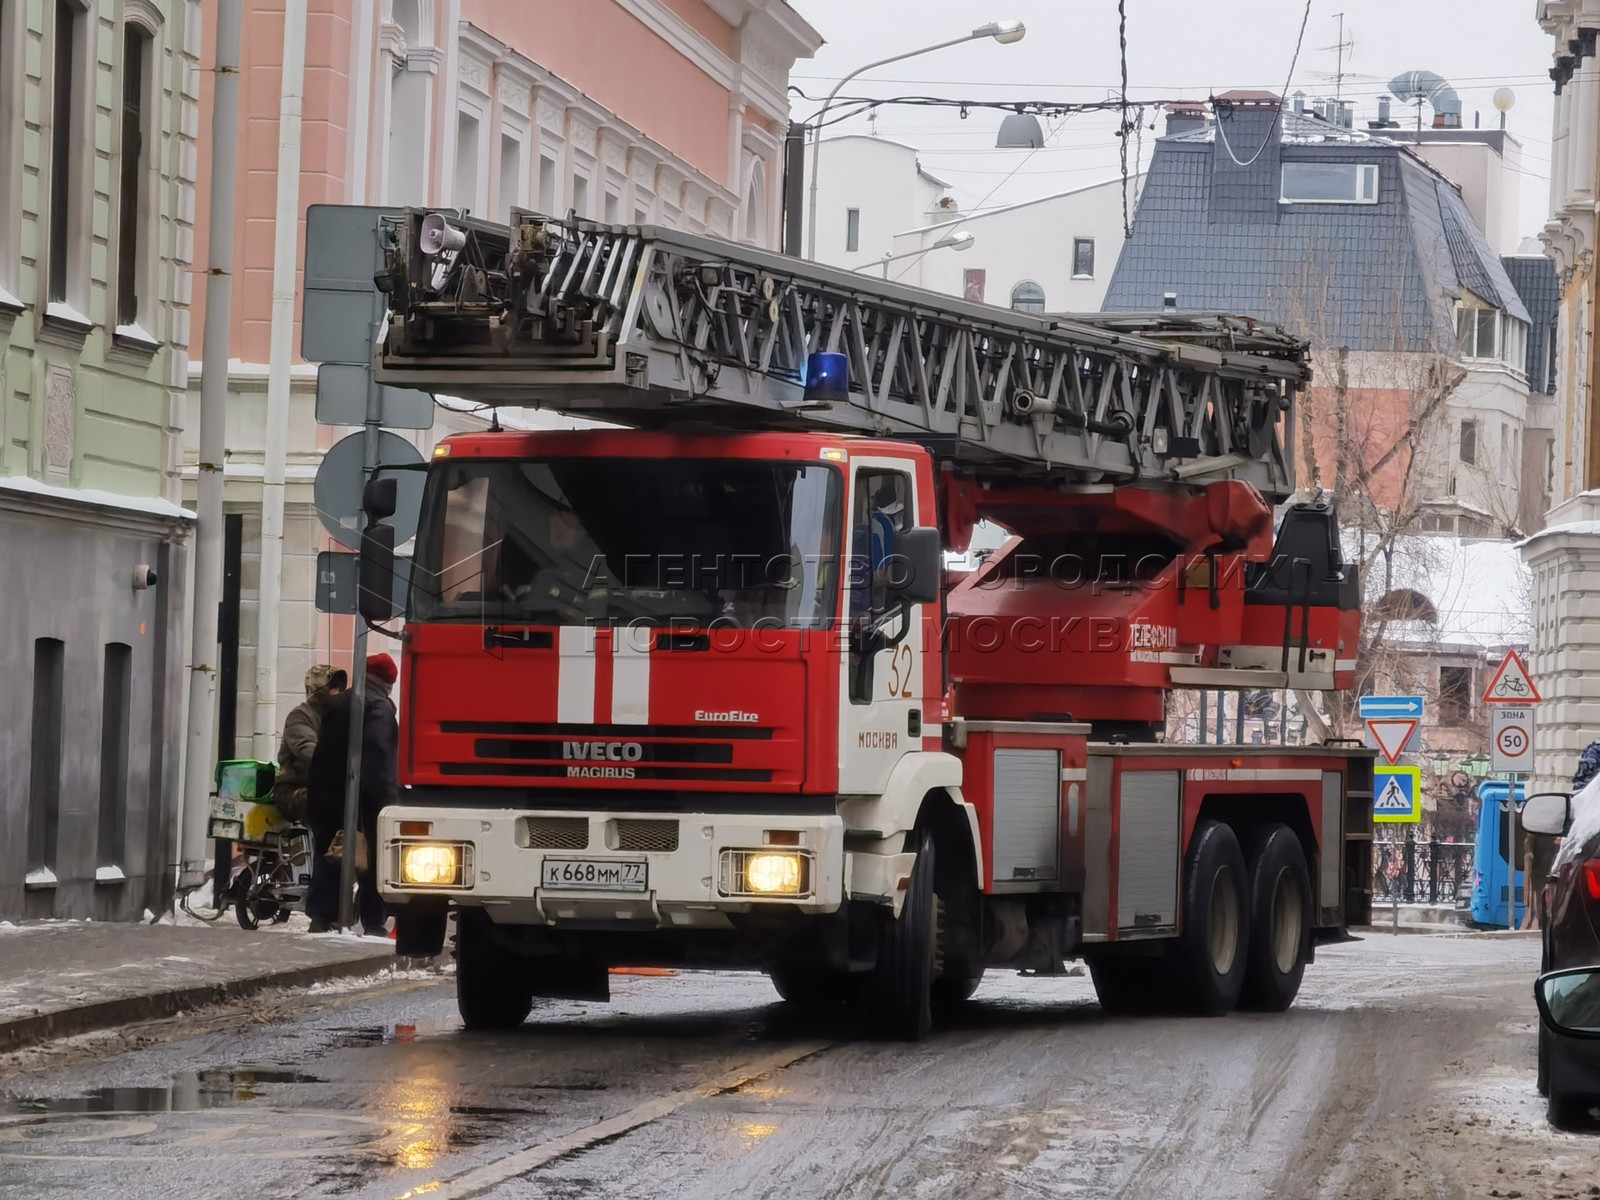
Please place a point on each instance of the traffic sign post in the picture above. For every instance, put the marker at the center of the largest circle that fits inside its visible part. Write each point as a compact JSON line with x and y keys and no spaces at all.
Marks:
{"x":343,"y":310}
{"x":1513,"y":693}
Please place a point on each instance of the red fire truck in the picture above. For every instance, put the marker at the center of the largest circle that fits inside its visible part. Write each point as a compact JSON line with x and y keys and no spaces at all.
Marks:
{"x":697,"y":688}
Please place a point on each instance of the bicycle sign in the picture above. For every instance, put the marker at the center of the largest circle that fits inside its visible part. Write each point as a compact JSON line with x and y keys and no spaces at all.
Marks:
{"x":1511,"y":684}
{"x":1511,"y":738}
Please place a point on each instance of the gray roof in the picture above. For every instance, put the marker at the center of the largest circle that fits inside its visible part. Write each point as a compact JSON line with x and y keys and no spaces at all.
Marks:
{"x":1384,"y":276}
{"x":1534,"y":277}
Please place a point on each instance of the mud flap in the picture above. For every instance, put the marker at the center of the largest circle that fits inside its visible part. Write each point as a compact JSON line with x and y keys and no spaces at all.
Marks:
{"x":569,"y":979}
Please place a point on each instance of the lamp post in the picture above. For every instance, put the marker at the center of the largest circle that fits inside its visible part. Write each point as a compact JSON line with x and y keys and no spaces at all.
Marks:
{"x":1007,"y":33}
{"x":952,"y":241}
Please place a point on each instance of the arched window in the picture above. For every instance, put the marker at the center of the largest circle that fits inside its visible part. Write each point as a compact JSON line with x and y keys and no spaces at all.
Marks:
{"x":1027,"y":297}
{"x":755,"y":205}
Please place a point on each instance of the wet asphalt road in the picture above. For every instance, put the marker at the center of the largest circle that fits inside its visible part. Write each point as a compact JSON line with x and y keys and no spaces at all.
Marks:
{"x":1405,"y":1070}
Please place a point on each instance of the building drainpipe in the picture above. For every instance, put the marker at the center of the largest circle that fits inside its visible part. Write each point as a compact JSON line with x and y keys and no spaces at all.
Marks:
{"x":286,"y":229}
{"x":199,"y":758}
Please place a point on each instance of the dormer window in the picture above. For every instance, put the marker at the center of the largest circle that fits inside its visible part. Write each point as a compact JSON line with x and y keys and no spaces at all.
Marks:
{"x":1329,"y":183}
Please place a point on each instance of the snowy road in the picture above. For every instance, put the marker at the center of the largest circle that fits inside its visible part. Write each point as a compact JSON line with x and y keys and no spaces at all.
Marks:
{"x":1406,"y":1070}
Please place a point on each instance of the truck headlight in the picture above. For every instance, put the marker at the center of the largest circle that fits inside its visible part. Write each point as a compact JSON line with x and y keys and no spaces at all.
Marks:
{"x":427,"y":864}
{"x":766,"y":873}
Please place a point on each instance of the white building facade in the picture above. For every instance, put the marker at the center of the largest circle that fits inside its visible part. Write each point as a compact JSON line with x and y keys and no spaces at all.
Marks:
{"x":1565,"y":556}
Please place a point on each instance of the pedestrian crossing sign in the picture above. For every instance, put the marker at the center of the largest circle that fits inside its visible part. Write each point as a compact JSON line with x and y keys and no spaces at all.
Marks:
{"x":1397,"y":795}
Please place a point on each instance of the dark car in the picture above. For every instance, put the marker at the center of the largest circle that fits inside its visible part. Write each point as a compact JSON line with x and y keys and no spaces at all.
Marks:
{"x":1568,"y":988}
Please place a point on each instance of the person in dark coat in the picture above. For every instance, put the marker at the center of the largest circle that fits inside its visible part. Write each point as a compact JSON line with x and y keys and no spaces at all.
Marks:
{"x":300,"y":733}
{"x":380,"y":786}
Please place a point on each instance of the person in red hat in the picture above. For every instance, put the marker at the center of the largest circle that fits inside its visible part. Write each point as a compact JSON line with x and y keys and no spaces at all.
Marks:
{"x":380,"y":786}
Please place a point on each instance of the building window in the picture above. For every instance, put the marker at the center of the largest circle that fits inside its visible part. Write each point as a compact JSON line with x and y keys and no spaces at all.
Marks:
{"x":1455,"y":695}
{"x":852,"y":230}
{"x":613,"y":208}
{"x":467,"y":130}
{"x":1329,"y":183}
{"x":44,"y":768}
{"x":1083,"y":258}
{"x":116,"y":705}
{"x":68,"y":136}
{"x":134,"y":201}
{"x":1469,"y":443}
{"x":510,"y":175}
{"x":1027,"y":297}
{"x":580,"y":195}
{"x":973,"y":281}
{"x":547,"y":185}
{"x":11,"y":130}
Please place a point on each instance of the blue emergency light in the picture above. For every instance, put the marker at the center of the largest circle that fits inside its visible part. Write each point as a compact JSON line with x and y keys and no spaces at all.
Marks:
{"x":827,"y":379}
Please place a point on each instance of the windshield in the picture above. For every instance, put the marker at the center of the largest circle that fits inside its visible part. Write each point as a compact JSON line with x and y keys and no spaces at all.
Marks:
{"x":573,"y":541}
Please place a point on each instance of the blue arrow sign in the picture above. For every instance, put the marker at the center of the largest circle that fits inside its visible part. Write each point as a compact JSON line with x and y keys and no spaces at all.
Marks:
{"x":1397,"y":795}
{"x":1391,"y":708}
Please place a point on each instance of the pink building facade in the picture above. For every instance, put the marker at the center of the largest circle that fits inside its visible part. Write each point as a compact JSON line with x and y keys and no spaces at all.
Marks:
{"x":663,"y":111}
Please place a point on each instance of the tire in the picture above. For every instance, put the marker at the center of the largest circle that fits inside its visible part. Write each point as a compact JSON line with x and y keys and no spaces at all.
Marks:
{"x":1567,"y":1112}
{"x":1544,"y":1061}
{"x":494,"y":987}
{"x":1129,"y":987}
{"x":1212,"y":954}
{"x":1280,"y":921}
{"x":953,"y":991}
{"x":899,"y":991}
{"x":243,"y":905}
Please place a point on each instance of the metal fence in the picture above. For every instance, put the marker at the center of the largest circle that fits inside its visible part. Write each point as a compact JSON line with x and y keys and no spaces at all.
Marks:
{"x":1422,"y":872}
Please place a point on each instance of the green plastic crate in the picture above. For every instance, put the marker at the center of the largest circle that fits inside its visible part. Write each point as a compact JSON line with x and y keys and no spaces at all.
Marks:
{"x":245,"y":779}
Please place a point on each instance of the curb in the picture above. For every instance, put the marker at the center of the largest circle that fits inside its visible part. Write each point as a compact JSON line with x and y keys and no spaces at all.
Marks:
{"x":106,"y":1014}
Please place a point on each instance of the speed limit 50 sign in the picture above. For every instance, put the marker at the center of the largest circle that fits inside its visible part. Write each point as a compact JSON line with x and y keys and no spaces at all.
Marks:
{"x":1511,"y":738}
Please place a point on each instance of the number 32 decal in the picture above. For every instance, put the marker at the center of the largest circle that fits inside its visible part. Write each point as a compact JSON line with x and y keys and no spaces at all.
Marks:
{"x":900,"y":673}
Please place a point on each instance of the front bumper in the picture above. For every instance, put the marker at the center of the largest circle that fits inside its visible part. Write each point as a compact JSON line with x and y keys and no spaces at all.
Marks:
{"x":642,"y":869}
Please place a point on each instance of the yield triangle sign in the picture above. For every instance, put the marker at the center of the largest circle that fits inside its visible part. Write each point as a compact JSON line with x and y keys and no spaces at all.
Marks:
{"x":1392,"y":736}
{"x":1511,"y":683}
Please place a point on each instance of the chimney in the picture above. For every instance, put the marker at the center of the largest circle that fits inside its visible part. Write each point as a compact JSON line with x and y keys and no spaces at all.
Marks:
{"x":1383,"y":112}
{"x":1185,"y":118}
{"x":1299,"y":104}
{"x":1245,"y":154}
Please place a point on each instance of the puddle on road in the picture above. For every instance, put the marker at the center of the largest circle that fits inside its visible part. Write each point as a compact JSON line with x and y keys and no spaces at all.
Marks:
{"x":189,"y":1091}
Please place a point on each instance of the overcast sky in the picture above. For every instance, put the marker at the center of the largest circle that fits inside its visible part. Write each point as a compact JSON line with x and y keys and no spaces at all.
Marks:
{"x":1176,"y":49}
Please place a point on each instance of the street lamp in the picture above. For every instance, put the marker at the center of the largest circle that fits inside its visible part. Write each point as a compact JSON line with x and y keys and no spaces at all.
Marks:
{"x":951,"y":241}
{"x":1007,"y":33}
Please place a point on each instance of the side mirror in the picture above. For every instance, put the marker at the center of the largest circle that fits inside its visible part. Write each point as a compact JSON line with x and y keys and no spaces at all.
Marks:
{"x":1547,"y":813}
{"x":375,"y":578}
{"x":1569,"y":1001}
{"x":380,"y":497}
{"x":916,"y":568}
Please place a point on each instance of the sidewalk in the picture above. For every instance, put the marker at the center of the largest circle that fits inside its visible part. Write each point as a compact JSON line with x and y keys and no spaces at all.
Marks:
{"x":63,"y":978}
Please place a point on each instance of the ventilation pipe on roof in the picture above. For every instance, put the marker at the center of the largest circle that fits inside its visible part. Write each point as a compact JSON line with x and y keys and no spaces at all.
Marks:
{"x":1425,"y":85}
{"x":1299,"y":104}
{"x":1383,"y":112}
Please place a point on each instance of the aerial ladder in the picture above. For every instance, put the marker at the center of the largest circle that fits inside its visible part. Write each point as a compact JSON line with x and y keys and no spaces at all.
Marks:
{"x":1141,"y":468}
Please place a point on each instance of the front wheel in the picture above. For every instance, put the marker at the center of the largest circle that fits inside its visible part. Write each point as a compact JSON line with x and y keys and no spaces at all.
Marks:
{"x":812,"y":987}
{"x":1280,"y":921}
{"x":899,"y":992}
{"x":1212,"y":954}
{"x":494,"y":987}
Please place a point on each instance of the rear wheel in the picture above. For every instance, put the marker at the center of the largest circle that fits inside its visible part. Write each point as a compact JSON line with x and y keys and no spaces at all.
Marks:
{"x":1211,"y":955}
{"x":899,"y":992}
{"x":1280,"y":921}
{"x":494,"y":987}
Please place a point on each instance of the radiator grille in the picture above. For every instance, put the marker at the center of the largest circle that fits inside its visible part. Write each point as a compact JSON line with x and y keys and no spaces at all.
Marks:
{"x":635,"y":834}
{"x":557,"y":833}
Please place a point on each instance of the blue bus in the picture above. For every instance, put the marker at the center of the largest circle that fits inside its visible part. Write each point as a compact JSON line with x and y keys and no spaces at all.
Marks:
{"x":1490,"y":855}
